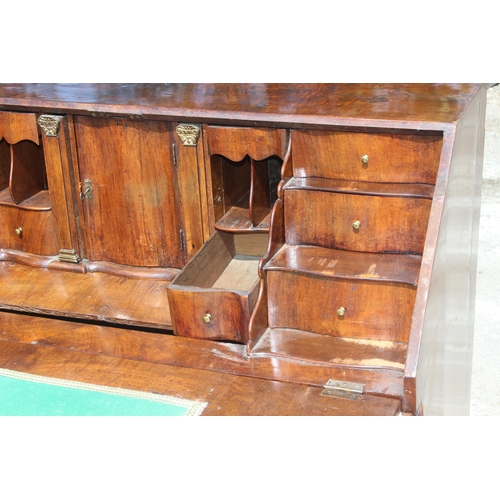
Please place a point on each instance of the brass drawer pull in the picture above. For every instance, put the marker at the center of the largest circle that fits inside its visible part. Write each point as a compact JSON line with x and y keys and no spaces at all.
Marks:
{"x":356,"y":224}
{"x":207,"y":318}
{"x":364,"y":159}
{"x":19,"y":231}
{"x":341,"y":311}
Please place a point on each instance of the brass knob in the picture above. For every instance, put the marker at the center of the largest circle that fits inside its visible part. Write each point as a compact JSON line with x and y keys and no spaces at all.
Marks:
{"x":207,"y":318}
{"x":341,"y":311}
{"x":19,"y":231}
{"x":364,"y":159}
{"x":356,"y":224}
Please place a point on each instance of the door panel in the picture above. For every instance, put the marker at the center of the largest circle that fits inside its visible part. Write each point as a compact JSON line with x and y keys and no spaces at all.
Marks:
{"x":130,"y":214}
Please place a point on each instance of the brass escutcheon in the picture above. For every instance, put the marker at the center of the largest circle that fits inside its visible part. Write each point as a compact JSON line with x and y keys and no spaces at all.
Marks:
{"x":356,"y":224}
{"x":341,"y":311}
{"x":19,"y":231}
{"x":364,"y":159}
{"x":207,"y":318}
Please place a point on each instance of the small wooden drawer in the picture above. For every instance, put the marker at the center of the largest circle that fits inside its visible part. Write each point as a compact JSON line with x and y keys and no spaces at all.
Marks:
{"x":214,"y":295}
{"x":31,"y":231}
{"x":361,"y":156}
{"x":349,"y":308}
{"x":366,"y":223}
{"x":235,"y":143}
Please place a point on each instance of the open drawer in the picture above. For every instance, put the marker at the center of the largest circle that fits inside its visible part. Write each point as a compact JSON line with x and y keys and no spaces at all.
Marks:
{"x":214,"y":295}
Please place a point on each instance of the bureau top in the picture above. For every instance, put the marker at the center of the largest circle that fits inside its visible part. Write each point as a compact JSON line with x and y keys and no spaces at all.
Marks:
{"x":426,"y":106}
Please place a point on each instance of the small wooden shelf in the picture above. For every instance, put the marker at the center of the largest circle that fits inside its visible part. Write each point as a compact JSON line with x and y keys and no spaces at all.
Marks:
{"x":332,"y":263}
{"x":366,"y":188}
{"x":38,"y":202}
{"x":237,"y":220}
{"x":314,"y":348}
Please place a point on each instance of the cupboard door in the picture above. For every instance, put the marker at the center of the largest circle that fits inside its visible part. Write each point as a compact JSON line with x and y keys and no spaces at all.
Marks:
{"x":130,"y":209}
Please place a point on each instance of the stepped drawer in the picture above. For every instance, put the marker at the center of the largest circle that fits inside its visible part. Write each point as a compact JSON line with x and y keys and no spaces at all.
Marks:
{"x":357,"y":156}
{"x":389,"y":224}
{"x":214,"y":295}
{"x":356,"y":309}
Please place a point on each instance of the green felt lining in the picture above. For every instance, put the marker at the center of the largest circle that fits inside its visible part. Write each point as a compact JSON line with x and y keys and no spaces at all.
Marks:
{"x":23,"y":394}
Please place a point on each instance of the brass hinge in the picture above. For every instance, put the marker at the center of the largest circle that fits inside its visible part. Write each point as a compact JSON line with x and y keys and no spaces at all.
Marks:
{"x":174,"y":154}
{"x":342,"y":389}
{"x":183,"y":240}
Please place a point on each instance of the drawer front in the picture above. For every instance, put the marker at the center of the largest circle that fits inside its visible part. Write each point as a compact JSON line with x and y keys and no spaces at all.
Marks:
{"x":235,"y":143}
{"x":372,"y":310}
{"x":36,"y":231}
{"x":210,"y":314}
{"x":366,"y":157}
{"x":356,"y":222}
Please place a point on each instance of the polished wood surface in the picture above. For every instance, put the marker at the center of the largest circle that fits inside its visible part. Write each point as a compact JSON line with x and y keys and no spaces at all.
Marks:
{"x":225,"y":394}
{"x":339,"y":351}
{"x":357,"y":187}
{"x":133,"y":201}
{"x":16,"y":127}
{"x":391,"y":157}
{"x":373,"y":310}
{"x":300,"y":104}
{"x":387,"y":224}
{"x":156,"y":348}
{"x":328,"y":263}
{"x":236,"y":143}
{"x":311,"y":232}
{"x":93,"y":296}
{"x":39,"y":231}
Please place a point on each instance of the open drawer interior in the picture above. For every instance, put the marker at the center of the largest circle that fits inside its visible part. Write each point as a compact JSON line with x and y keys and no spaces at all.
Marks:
{"x":214,"y":295}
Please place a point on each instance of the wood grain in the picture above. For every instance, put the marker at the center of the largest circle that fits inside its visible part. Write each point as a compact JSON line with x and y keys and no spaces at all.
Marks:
{"x":92,"y":296}
{"x":331,"y":263}
{"x":236,"y":143}
{"x":373,"y":310}
{"x":16,"y":127}
{"x":135,"y":201}
{"x":39,"y":230}
{"x":307,"y":346}
{"x":157,"y":348}
{"x":388,"y":224}
{"x":225,"y":394}
{"x":392,"y":158}
{"x":417,"y":106}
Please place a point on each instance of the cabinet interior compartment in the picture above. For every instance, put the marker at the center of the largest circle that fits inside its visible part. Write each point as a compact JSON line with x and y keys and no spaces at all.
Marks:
{"x":244,"y":192}
{"x":23,"y":176}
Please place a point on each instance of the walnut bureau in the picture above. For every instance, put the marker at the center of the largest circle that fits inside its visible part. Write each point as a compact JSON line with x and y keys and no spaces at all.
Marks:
{"x":290,"y":242}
